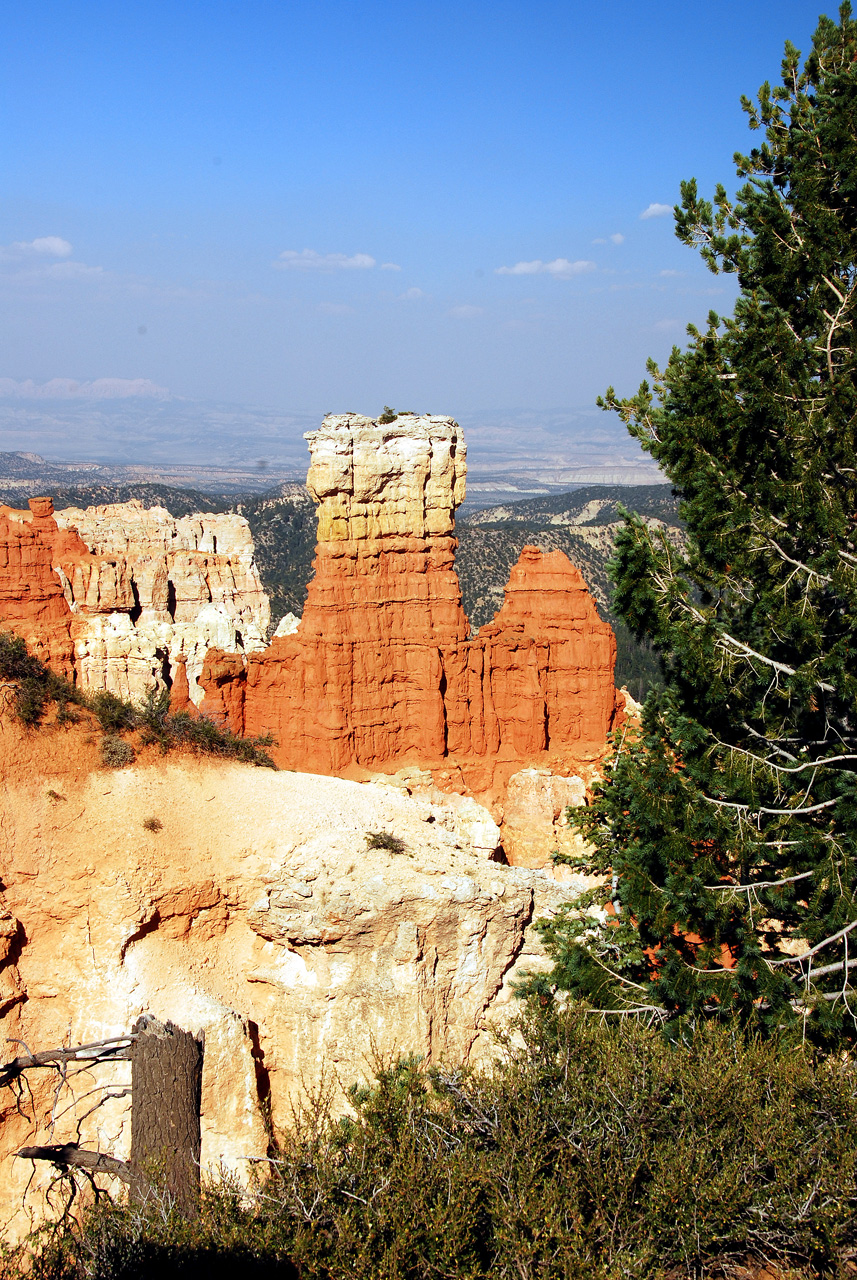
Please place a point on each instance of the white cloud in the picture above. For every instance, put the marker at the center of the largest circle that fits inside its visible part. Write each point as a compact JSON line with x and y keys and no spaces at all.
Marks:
{"x":309,"y":260}
{"x":656,"y":211}
{"x":70,"y":271}
{"x":413,"y":292}
{"x":69,"y":389}
{"x":560,"y":267}
{"x":42,"y":246}
{"x":53,"y":246}
{"x":45,"y":258}
{"x":390,"y":266}
{"x":664,"y":326}
{"x":670,"y":273}
{"x":465,"y":312}
{"x":617,"y":238}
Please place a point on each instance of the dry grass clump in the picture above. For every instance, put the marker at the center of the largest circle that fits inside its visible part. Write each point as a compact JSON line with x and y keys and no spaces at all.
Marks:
{"x":116,"y":752}
{"x":385,"y":840}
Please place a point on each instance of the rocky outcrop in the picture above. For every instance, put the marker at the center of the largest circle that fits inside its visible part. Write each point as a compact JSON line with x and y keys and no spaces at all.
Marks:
{"x":257,"y":913}
{"x":32,"y":603}
{"x":178,"y":587}
{"x":534,"y":817}
{"x":382,"y":668}
{"x":119,"y":596}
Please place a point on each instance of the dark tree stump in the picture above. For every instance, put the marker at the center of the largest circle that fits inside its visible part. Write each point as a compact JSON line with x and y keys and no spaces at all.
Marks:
{"x":166,"y":1084}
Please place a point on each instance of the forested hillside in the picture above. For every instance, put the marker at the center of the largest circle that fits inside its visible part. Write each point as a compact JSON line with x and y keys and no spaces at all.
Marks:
{"x":283,"y":526}
{"x":179,"y":502}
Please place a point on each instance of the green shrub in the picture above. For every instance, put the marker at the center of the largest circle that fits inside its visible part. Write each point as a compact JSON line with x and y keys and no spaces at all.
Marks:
{"x":385,"y":840}
{"x":208,"y":738}
{"x":116,"y":752}
{"x":592,"y":1151}
{"x":112,"y":713}
{"x":153,"y":824}
{"x":16,"y":661}
{"x":33,"y":687}
{"x":31,"y":700}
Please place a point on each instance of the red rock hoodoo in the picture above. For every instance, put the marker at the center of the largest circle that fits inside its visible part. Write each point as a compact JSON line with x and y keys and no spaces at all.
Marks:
{"x":32,"y":603}
{"x":381,"y":668}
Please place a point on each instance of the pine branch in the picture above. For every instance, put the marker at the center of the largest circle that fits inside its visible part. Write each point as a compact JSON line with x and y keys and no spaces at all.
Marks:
{"x":818,"y":947}
{"x":760,"y":884}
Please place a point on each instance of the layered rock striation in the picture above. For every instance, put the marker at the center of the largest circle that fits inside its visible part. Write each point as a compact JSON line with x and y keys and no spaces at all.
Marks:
{"x":32,"y":601}
{"x":382,"y":667}
{"x":121,"y":597}
{"x":189,"y":584}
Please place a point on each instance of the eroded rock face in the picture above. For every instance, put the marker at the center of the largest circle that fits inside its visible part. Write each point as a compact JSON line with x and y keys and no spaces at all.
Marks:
{"x":256,"y":913}
{"x":184,"y":586}
{"x":115,"y":595}
{"x":32,"y":603}
{"x":534,"y":817}
{"x":381,"y":667}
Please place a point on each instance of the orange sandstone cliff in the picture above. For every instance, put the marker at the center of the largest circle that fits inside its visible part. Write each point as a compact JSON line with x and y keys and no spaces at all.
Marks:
{"x":382,"y":667}
{"x":32,"y":603}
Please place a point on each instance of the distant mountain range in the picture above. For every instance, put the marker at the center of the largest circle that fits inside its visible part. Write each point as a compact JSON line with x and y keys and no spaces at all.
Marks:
{"x":24,"y":475}
{"x":221,"y":448}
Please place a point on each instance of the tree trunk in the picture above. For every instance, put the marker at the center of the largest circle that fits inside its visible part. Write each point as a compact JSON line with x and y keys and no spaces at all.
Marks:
{"x":166,"y":1081}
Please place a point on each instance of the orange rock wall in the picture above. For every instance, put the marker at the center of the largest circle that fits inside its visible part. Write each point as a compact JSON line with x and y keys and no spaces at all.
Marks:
{"x":381,"y":667}
{"x":32,"y":604}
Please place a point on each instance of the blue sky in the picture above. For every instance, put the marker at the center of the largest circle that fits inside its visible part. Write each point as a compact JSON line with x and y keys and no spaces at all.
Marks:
{"x":333,"y":205}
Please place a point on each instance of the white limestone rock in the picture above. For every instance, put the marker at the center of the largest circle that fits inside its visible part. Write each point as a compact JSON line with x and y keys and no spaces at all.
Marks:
{"x":166,"y":587}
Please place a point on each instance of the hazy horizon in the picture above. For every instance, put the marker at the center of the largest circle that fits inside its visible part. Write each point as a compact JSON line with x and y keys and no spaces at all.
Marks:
{"x":513,"y":448}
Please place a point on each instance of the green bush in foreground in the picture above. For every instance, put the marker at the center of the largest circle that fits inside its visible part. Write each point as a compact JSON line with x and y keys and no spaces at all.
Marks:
{"x":595,"y":1151}
{"x":34,"y":686}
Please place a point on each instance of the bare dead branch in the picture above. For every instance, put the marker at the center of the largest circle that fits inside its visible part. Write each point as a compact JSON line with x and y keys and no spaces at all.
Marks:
{"x":112,"y":1050}
{"x":70,"y":1156}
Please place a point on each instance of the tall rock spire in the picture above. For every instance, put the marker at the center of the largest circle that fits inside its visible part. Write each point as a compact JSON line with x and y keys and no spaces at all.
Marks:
{"x":381,"y":667}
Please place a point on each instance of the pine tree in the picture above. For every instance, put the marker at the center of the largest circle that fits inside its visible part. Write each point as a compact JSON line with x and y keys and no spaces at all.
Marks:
{"x":729,"y":823}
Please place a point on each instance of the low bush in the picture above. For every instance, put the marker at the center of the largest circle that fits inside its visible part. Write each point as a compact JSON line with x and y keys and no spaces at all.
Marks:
{"x":592,"y":1151}
{"x":385,"y":840}
{"x":112,"y":713}
{"x":116,"y":752}
{"x":157,"y":725}
{"x":153,"y":824}
{"x":33,"y":686}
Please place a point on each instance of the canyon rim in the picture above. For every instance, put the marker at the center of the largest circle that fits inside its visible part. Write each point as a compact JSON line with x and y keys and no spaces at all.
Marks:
{"x":257,"y":912}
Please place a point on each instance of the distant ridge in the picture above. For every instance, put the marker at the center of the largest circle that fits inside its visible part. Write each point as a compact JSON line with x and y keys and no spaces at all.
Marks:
{"x":28,"y":473}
